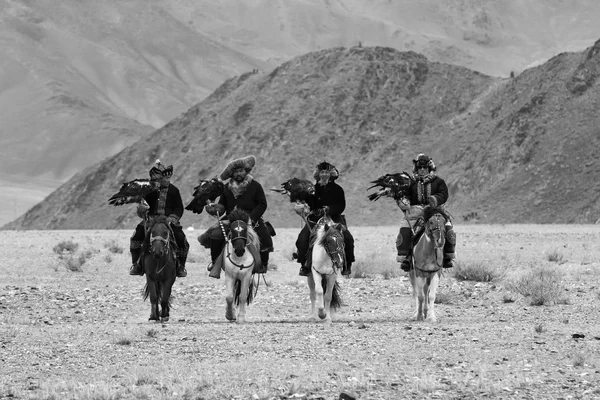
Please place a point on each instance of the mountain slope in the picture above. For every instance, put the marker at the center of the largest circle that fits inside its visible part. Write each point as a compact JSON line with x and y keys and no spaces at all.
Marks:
{"x":511,"y":150}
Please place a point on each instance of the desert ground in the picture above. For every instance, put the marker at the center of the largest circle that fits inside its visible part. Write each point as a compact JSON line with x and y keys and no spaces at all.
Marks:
{"x":74,"y":325}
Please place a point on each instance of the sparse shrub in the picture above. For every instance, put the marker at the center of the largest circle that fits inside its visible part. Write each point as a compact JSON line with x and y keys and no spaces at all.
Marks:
{"x":108,"y":259}
{"x":123,"y":341}
{"x":542,"y":285}
{"x":508,"y":298}
{"x":443,"y":298}
{"x":478,"y":271}
{"x":578,"y":360}
{"x":66,"y":246}
{"x":539,"y":328}
{"x":152,"y":333}
{"x":556,"y":257}
{"x":114,"y":247}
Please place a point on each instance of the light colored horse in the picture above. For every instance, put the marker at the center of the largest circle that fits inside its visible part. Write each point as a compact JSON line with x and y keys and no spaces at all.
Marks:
{"x":327,"y":259}
{"x":427,"y":261}
{"x":238,"y":264}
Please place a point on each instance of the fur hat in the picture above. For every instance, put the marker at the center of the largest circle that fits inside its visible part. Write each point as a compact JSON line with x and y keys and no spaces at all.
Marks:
{"x":423,"y":160}
{"x":247,"y":163}
{"x":325,"y":166}
{"x":160,"y":170}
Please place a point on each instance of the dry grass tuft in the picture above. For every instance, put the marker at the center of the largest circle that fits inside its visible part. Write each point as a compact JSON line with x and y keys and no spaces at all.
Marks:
{"x":542,"y":285}
{"x":556,"y":256}
{"x":477,"y":271}
{"x":65,"y":246}
{"x":114,"y":247}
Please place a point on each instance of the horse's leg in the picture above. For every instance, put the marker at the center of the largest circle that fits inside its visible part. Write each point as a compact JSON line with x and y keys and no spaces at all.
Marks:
{"x":244,"y":285}
{"x":433,"y":285}
{"x":414,"y":282}
{"x":313,"y":296}
{"x":319,"y":294}
{"x":418,"y":294}
{"x":229,"y":295}
{"x":153,"y":295}
{"x":328,"y":294}
{"x":164,"y":302}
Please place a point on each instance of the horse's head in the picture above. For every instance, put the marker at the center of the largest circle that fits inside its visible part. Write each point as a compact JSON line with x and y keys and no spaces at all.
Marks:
{"x":238,"y":228}
{"x":435,"y":225}
{"x":159,"y":238}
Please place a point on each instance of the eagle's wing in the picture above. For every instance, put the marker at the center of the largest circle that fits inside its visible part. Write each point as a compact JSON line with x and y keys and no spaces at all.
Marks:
{"x":132,"y":192}
{"x":297,"y":189}
{"x":207,"y":190}
{"x":391,"y":185}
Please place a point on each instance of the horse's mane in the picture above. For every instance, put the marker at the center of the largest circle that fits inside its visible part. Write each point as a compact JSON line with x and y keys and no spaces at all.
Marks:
{"x":430,"y":211}
{"x":238,"y":215}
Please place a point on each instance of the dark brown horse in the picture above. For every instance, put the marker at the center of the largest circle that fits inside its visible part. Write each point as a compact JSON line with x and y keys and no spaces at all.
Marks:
{"x":159,"y":263}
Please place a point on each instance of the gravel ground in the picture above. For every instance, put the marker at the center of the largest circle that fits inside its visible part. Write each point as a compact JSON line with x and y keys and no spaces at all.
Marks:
{"x":68,"y":334}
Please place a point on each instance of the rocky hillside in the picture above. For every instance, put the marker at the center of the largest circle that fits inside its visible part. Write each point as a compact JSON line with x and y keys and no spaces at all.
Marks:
{"x":511,"y":150}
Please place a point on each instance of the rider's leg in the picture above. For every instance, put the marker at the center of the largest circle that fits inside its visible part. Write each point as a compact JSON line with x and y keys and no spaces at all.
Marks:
{"x":264,"y":261}
{"x":302,"y":245}
{"x":216,"y":247}
{"x":403,"y":245}
{"x":182,"y":251}
{"x":449,"y":246}
{"x":266,"y":246}
{"x":349,"y":252}
{"x":135,"y":248}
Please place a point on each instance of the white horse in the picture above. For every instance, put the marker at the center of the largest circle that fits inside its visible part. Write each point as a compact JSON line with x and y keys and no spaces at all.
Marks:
{"x":427,"y":260}
{"x":238,"y":264}
{"x":327,"y":258}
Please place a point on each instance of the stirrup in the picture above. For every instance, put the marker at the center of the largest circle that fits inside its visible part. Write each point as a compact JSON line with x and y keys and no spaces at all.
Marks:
{"x":136,"y":269}
{"x":181,"y":272}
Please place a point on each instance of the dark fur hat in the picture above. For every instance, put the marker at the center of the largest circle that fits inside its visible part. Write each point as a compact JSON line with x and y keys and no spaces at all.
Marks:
{"x":160,"y":170}
{"x":423,"y":160}
{"x":247,"y":163}
{"x":325,"y":166}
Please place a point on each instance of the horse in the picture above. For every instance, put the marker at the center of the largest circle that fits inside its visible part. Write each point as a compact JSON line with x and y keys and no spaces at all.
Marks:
{"x":239,"y":257}
{"x":427,"y":260}
{"x":327,"y":243}
{"x":159,"y":263}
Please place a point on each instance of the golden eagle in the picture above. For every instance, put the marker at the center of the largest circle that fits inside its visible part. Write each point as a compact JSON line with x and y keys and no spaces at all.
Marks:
{"x":297,"y":189}
{"x":208,"y":190}
{"x":133,"y":192}
{"x":391,"y":185}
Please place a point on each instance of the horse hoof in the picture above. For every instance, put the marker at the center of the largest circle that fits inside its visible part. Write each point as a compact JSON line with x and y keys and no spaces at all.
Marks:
{"x":165,"y":319}
{"x":153,"y":319}
{"x":322,"y":314}
{"x":230,"y":317}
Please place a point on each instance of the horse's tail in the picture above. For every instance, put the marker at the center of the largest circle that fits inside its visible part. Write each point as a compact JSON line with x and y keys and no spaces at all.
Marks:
{"x":146,"y":291}
{"x":336,"y":295}
{"x":237,"y":288}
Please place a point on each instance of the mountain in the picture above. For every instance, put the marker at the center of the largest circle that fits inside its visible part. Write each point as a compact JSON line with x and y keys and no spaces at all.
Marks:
{"x":82,"y":79}
{"x":511,"y":150}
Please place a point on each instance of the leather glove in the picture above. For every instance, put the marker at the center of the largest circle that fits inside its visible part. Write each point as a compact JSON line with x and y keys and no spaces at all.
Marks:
{"x":325,"y":210}
{"x":142,"y":208}
{"x":301,"y":208}
{"x":211,"y":208}
{"x":173,"y":219}
{"x":432,"y":201}
{"x":403,"y":203}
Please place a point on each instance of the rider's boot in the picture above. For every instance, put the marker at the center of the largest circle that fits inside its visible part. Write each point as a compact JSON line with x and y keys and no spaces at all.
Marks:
{"x":264,"y":263}
{"x":403,"y":248}
{"x":347,"y":269}
{"x":449,"y":247}
{"x":181,"y":271}
{"x":136,"y":268}
{"x":307,"y":264}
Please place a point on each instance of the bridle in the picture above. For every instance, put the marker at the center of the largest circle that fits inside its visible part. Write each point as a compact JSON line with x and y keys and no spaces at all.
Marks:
{"x":165,"y":241}
{"x":237,"y":230}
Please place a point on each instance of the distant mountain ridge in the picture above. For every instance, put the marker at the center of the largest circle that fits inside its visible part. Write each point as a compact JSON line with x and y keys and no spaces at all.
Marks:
{"x":511,"y":150}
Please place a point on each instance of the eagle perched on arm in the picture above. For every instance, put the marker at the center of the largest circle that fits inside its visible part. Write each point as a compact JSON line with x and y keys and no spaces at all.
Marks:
{"x":391,"y":185}
{"x":297,"y":189}
{"x":208,"y":190}
{"x":132,"y":192}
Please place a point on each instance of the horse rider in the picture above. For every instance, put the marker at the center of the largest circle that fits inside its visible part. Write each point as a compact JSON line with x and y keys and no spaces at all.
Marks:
{"x":426,"y":189}
{"x":164,"y":201}
{"x":329,"y":198}
{"x":245,"y":193}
